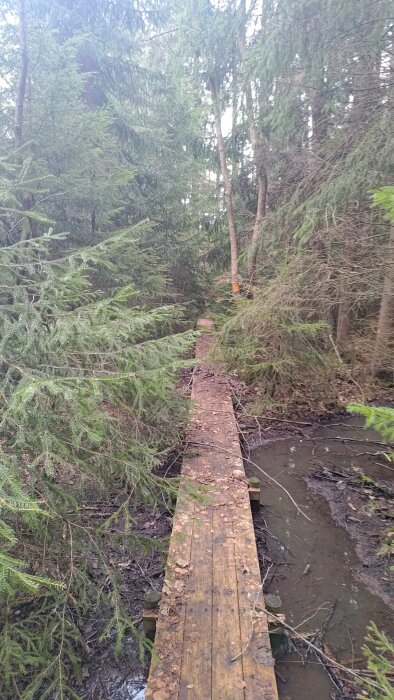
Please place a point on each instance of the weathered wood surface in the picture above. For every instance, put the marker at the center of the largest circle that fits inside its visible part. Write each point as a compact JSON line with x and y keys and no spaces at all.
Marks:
{"x":211,"y":608}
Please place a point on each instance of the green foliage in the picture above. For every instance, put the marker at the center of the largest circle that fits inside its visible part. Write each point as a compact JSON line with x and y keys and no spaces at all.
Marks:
{"x":387,"y":546}
{"x":276,"y":341}
{"x":112,"y":135}
{"x":379,"y":418}
{"x":384,"y":197}
{"x":379,"y":653}
{"x":91,"y":340}
{"x":87,"y":399}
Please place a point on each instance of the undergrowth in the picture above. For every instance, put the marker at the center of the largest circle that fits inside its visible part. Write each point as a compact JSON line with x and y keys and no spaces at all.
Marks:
{"x":379,"y":653}
{"x":88,"y":410}
{"x":280,"y":339}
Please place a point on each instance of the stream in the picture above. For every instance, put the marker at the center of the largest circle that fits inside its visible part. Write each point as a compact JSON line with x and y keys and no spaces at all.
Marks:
{"x":316,"y":568}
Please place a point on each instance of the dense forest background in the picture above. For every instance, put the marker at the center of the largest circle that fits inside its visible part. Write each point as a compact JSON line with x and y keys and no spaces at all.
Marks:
{"x":156,"y":158}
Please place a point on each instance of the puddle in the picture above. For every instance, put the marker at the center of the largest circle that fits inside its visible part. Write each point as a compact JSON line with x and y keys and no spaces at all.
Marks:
{"x":115,"y":684}
{"x":318,"y":565}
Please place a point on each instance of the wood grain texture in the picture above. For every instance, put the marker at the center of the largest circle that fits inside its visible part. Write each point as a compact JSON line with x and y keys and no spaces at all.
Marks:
{"x":227,"y":675}
{"x":212,"y":608}
{"x":196,"y":681}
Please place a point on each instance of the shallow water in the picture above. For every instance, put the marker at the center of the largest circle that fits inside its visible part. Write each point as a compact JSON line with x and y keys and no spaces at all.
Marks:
{"x":318,"y":564}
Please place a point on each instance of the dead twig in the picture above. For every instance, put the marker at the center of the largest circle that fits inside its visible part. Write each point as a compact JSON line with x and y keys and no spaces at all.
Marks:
{"x":329,"y":661}
{"x":319,"y":637}
{"x":285,"y":420}
{"x":271,"y":418}
{"x":331,"y":339}
{"x":310,"y":617}
{"x":386,"y":445}
{"x":253,"y":612}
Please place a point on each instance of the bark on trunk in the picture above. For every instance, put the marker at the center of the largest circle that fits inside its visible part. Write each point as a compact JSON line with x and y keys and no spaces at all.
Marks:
{"x":259,"y":161}
{"x":21,"y":88}
{"x":234,"y":106}
{"x":319,"y":117}
{"x":29,"y":227}
{"x":383,"y":359}
{"x":228,"y":193}
{"x":345,"y":287}
{"x":343,"y":320}
{"x":262,"y":183}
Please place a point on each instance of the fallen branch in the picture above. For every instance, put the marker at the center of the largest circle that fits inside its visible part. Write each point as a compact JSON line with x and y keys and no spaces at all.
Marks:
{"x":319,"y":637}
{"x":310,"y":617}
{"x":335,"y":349}
{"x":272,"y":418}
{"x":287,"y":420}
{"x":386,"y":445}
{"x":265,"y":530}
{"x":330,"y":662}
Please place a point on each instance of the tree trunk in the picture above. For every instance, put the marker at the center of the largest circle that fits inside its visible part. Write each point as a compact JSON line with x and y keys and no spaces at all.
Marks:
{"x":29,"y":227}
{"x":383,"y":359}
{"x":262,"y":182}
{"x":343,"y":320}
{"x":228,"y":193}
{"x":319,"y":116}
{"x":349,"y":233}
{"x":21,"y":88}
{"x":259,"y":161}
{"x":234,"y":126}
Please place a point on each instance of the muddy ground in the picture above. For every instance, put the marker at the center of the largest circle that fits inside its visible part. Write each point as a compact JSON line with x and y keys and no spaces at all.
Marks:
{"x":107,"y":677}
{"x":366,"y":510}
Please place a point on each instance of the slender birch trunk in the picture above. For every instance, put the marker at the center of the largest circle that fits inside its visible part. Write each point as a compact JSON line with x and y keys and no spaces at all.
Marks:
{"x":259,"y":160}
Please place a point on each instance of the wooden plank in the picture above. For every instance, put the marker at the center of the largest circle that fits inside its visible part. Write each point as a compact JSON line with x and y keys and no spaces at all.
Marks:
{"x":227,"y":675}
{"x":208,"y":614}
{"x":195,"y":681}
{"x":257,"y":657}
{"x":165,"y":668}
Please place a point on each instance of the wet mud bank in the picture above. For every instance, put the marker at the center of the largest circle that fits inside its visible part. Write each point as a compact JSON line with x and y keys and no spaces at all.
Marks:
{"x":257,"y":431}
{"x":326,"y":567}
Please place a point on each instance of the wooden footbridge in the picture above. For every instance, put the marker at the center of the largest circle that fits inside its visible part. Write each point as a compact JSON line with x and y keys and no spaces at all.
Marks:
{"x":212,"y":637}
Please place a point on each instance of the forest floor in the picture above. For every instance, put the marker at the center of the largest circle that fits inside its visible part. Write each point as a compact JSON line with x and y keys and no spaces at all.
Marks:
{"x":121,"y":678}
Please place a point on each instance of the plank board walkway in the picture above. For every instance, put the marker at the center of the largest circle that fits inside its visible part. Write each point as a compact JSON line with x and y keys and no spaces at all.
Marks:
{"x":211,"y":609}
